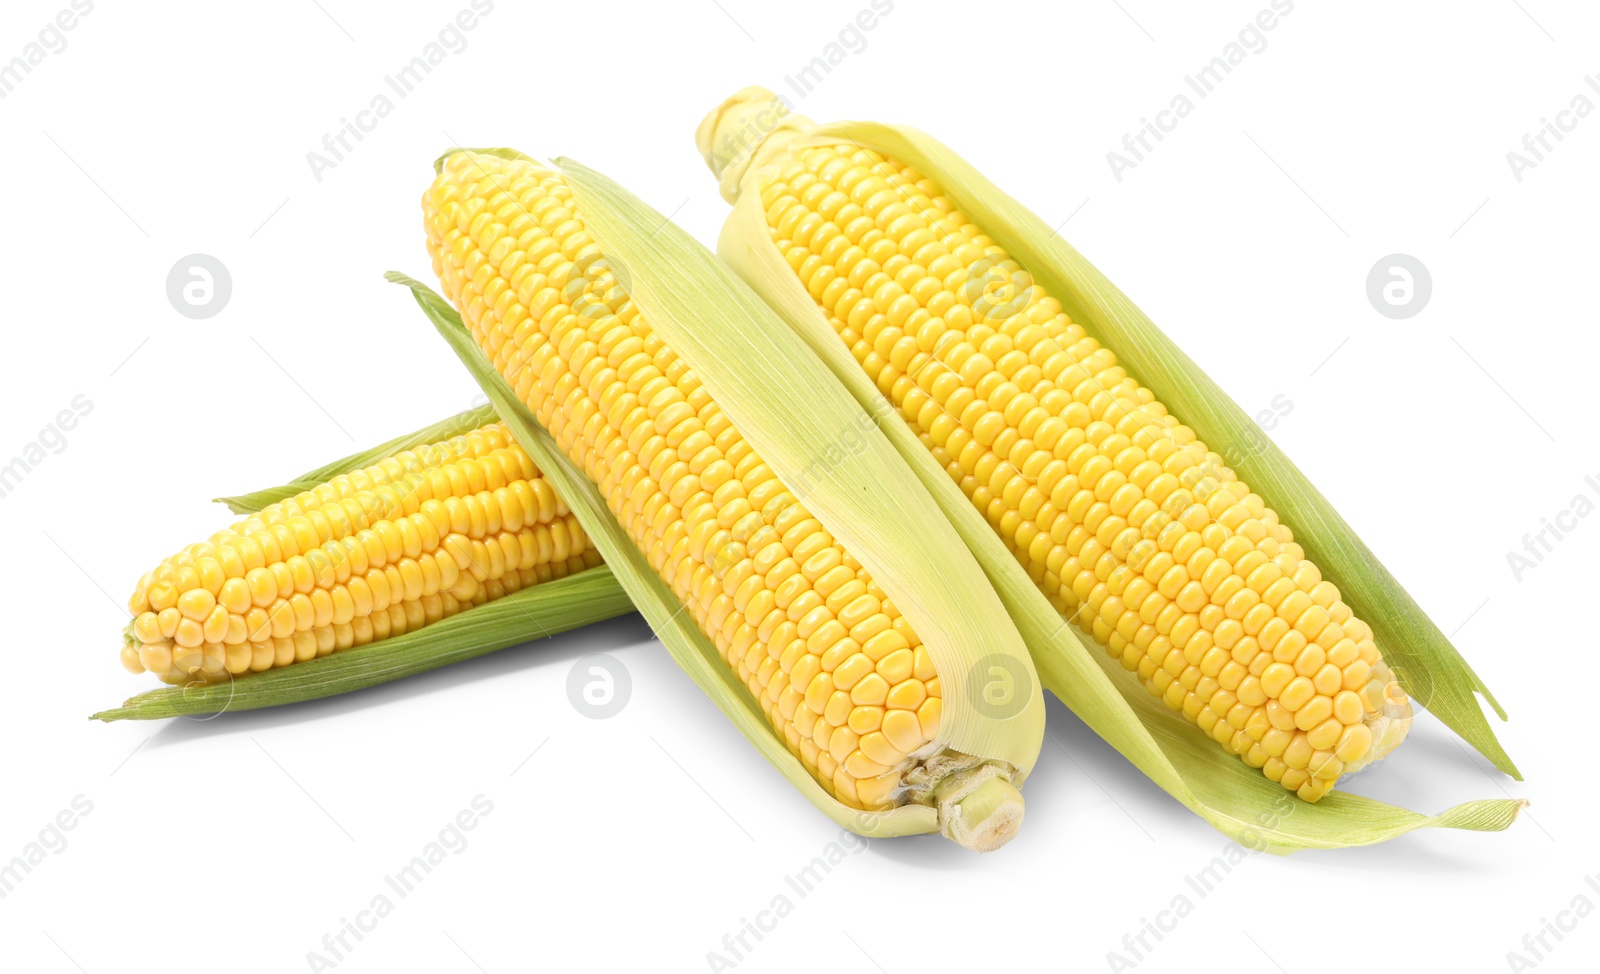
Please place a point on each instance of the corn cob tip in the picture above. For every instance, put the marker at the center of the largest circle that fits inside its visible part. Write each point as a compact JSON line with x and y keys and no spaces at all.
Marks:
{"x":979,"y":809}
{"x":743,"y":132}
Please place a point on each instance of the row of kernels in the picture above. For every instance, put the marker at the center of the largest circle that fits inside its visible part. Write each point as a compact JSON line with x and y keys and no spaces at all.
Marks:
{"x":209,"y":660}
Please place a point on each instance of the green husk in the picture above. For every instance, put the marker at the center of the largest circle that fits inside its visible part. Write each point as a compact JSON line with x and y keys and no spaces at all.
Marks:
{"x":1236,"y":799}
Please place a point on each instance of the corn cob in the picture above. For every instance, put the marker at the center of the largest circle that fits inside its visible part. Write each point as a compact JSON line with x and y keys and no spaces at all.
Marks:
{"x":1135,"y":530}
{"x":853,"y":689}
{"x":366,"y":555}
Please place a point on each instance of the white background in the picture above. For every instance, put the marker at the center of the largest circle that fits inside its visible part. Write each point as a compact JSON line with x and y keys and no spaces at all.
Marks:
{"x":637,"y":843}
